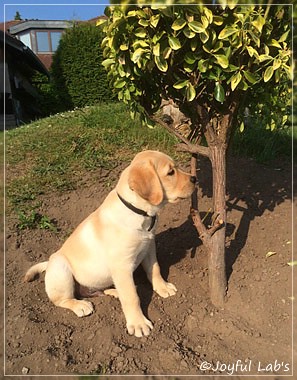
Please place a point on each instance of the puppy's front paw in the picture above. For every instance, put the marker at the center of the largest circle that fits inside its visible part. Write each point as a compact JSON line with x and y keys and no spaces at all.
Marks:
{"x":165,"y":289}
{"x":139,"y":327}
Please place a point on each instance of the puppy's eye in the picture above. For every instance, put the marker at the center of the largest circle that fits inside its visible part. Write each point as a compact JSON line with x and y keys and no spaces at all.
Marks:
{"x":171,"y":172}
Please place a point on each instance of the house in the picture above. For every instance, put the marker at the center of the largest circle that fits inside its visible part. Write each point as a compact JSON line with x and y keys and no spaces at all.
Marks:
{"x":26,"y":46}
{"x":18,"y":94}
{"x":41,"y":36}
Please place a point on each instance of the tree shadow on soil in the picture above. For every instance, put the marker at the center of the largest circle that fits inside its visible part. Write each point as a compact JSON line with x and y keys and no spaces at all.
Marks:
{"x":172,"y":246}
{"x":252,"y":189}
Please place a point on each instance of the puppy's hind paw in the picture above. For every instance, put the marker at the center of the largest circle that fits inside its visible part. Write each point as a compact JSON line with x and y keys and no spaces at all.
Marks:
{"x":111,"y":292}
{"x":81,"y":308}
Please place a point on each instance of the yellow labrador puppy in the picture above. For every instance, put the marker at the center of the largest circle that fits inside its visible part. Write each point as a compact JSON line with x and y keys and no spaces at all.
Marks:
{"x":109,"y":244}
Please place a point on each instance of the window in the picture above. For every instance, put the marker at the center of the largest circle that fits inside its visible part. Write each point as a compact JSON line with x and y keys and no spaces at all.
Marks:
{"x":55,"y":37}
{"x":42,"y":42}
{"x":47,"y":41}
{"x":25,"y":38}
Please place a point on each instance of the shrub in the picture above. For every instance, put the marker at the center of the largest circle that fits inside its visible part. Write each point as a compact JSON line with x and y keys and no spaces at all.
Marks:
{"x":78,"y":76}
{"x":48,"y":101}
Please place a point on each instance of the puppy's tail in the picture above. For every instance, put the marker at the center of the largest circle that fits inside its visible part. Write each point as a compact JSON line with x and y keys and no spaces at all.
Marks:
{"x":35,"y":270}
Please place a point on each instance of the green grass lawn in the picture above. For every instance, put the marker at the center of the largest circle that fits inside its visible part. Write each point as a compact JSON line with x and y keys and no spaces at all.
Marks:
{"x":264,"y":145}
{"x":54,"y":153}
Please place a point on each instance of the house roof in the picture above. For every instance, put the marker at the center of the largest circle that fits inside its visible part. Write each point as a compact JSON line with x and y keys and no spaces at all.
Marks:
{"x":4,"y":26}
{"x":22,"y":52}
{"x":38,"y":24}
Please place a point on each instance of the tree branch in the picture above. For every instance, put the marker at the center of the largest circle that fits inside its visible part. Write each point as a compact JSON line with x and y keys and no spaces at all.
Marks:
{"x":169,"y":128}
{"x":202,"y":230}
{"x":186,"y":145}
{"x":194,"y":196}
{"x":194,"y":149}
{"x":205,"y":234}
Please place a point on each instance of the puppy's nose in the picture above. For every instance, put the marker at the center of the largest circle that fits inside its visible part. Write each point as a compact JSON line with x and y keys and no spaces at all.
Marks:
{"x":193,"y":179}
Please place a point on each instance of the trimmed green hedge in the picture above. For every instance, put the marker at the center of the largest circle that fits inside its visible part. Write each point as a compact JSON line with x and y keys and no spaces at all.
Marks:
{"x":78,"y":77}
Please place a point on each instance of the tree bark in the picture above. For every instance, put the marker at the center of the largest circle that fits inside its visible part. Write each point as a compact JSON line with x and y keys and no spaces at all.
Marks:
{"x":216,"y":131}
{"x":216,"y":251}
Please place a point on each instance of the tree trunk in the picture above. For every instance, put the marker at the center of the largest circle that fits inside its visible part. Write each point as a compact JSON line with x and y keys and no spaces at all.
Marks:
{"x":216,"y":249}
{"x":216,"y":131}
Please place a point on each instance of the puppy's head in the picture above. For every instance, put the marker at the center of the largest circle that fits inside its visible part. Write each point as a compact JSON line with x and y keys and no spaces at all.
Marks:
{"x":155,"y":177}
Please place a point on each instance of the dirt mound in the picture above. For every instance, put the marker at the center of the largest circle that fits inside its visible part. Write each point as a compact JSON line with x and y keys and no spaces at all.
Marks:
{"x":252,"y":335}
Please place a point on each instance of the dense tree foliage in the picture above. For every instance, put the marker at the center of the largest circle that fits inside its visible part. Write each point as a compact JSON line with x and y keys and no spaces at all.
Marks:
{"x":200,"y":55}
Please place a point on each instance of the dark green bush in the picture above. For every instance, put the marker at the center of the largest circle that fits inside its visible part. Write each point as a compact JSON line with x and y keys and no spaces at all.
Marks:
{"x":77,"y":74}
{"x":49,"y":101}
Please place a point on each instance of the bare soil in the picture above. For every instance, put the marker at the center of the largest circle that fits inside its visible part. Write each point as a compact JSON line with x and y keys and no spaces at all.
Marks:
{"x":251,"y":335}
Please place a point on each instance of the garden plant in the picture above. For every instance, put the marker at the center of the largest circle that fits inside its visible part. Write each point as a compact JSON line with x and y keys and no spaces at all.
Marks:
{"x":223,"y":66}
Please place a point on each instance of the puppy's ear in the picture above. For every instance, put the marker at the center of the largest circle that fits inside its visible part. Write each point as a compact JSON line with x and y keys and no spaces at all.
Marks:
{"x":144,"y":180}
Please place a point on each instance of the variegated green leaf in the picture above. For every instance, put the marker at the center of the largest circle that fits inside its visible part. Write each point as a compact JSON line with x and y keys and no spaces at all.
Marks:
{"x":137,"y":54}
{"x":108,"y":62}
{"x":218,"y":20}
{"x":143,"y":22}
{"x":250,"y":50}
{"x":194,"y":44}
{"x":188,"y":32}
{"x":275,"y":43}
{"x":181,"y":83}
{"x":154,"y":20}
{"x":219,"y":92}
{"x":161,"y":63}
{"x":140,"y":32}
{"x":208,"y":14}
{"x":174,"y":43}
{"x":259,"y":23}
{"x":284,"y":36}
{"x":222,"y":60}
{"x":166,"y":52}
{"x":276,"y":63}
{"x":124,"y":47}
{"x":264,"y":57}
{"x":119,"y":83}
{"x":156,"y":50}
{"x":268,"y":73}
{"x":203,"y":65}
{"x":204,"y":36}
{"x":204,"y":21}
{"x":252,"y":78}
{"x":226,"y":32}
{"x":196,"y":27}
{"x":235,"y":80}
{"x":190,"y":57}
{"x":190,"y":92}
{"x":178,"y":24}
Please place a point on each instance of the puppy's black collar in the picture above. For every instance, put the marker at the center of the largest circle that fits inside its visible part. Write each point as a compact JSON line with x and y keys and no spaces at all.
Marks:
{"x":139,"y":211}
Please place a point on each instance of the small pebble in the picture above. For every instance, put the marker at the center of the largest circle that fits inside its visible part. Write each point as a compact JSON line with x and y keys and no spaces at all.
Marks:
{"x":25,"y":370}
{"x":117,"y":349}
